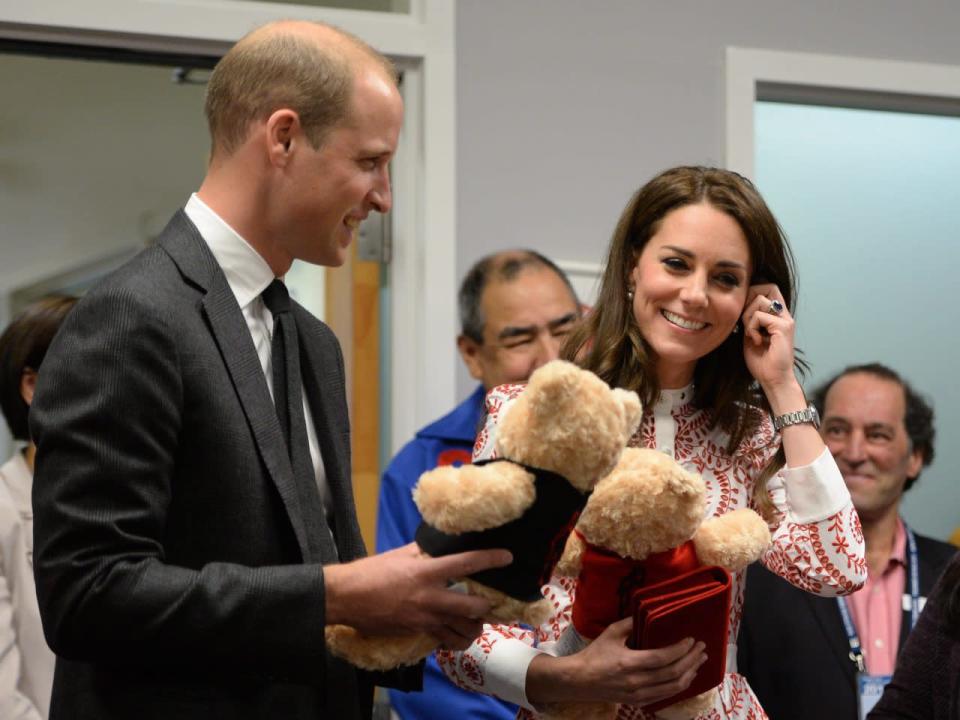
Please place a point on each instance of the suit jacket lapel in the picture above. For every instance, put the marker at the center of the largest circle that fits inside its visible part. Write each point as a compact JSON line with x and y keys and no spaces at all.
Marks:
{"x":827,"y":615}
{"x":184,"y":244}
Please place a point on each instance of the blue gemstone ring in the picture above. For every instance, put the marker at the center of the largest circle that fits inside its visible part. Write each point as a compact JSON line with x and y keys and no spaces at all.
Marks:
{"x":776,"y":307}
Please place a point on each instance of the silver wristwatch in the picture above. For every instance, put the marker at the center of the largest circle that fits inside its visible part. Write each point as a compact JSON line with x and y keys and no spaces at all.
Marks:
{"x":807,"y":415}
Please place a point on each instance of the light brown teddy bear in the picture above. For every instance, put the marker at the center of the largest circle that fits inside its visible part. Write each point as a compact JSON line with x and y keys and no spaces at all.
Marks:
{"x":644,"y":524}
{"x":561,"y":434}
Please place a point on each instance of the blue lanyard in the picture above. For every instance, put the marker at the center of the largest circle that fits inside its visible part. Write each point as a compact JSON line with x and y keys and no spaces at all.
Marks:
{"x":856,"y":649}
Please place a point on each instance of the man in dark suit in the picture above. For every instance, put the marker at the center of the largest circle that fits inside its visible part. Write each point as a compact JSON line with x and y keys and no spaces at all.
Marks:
{"x":794,"y":647}
{"x":195,"y":524}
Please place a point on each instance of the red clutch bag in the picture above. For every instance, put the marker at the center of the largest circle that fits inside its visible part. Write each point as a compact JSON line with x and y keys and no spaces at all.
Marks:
{"x":695,"y":604}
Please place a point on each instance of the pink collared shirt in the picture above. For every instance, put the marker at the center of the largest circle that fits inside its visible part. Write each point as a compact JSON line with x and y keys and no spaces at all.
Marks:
{"x":877,"y":609}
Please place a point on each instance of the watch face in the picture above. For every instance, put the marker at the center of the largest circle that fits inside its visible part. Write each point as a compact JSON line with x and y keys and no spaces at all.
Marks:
{"x":814,"y":416}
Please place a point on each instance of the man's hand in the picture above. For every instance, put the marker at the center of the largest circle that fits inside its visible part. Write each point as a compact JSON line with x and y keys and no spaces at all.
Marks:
{"x":405,"y":591}
{"x":608,"y":671}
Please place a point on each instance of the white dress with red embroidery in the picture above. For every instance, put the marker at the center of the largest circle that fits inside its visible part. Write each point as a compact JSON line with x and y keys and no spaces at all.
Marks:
{"x":817,"y":544}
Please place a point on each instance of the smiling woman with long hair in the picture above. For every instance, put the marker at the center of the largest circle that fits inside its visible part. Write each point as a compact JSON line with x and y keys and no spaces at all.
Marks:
{"x":694,"y":314}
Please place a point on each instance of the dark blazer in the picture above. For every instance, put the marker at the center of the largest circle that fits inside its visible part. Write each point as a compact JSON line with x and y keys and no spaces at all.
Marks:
{"x":178,"y":562}
{"x":793,"y":648}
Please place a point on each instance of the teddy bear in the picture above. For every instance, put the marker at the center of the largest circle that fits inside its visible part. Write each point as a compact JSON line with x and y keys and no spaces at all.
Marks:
{"x":556,"y":438}
{"x":643,"y":524}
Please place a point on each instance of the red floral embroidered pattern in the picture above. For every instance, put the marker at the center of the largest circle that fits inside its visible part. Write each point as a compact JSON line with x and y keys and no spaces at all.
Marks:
{"x":497,"y":400}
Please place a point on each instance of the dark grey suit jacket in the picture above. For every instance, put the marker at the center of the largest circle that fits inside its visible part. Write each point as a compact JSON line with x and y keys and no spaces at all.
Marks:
{"x":793,"y":648}
{"x":178,"y":561}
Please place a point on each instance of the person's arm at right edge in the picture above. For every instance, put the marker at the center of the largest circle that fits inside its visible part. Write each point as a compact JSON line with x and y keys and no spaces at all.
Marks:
{"x":925,"y":683}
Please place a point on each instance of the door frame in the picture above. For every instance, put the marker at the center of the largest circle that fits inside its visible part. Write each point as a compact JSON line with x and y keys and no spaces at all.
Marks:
{"x":747,"y":70}
{"x":422,"y":42}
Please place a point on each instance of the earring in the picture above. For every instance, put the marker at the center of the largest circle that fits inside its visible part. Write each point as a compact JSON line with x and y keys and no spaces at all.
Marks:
{"x":736,"y":328}
{"x":630,"y":294}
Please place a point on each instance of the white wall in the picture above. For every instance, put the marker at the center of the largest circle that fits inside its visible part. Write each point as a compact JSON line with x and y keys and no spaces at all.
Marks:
{"x":82,"y":145}
{"x":565,"y":107}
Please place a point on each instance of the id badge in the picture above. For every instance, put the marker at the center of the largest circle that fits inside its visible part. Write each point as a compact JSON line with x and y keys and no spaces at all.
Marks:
{"x":869,"y":690}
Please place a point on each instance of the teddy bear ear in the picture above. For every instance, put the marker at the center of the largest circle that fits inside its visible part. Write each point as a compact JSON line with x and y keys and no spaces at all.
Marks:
{"x":632,"y":409}
{"x":551,"y":371}
{"x":684,"y":482}
{"x":550,"y":384}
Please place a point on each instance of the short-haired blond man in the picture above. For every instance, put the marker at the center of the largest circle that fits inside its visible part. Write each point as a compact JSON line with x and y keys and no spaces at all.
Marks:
{"x":195,"y":524}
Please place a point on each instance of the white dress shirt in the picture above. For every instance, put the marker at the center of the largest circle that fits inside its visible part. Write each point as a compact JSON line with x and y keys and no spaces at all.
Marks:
{"x":248,"y":275}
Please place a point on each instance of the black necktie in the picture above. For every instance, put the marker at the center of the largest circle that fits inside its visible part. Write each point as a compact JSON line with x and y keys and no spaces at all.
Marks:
{"x":288,"y":398}
{"x":277,"y":300}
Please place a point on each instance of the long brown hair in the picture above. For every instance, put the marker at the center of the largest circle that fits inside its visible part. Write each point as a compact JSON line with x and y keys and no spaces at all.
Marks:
{"x":609,"y":342}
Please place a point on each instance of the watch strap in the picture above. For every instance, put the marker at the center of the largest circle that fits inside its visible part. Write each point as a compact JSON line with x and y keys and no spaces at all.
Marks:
{"x":797,"y":417}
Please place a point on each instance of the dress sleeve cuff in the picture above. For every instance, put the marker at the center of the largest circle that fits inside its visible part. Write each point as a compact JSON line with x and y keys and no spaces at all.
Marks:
{"x":815,"y":491}
{"x":506,"y":671}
